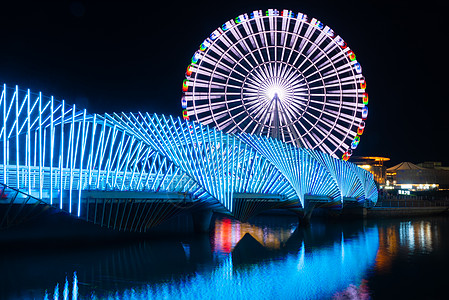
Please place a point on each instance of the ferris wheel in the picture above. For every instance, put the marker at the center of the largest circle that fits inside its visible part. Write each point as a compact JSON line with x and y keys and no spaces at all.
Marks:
{"x":282,"y":75}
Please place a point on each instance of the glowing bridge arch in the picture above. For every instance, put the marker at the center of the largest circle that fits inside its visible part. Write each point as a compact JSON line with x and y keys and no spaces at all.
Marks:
{"x":132,"y":171}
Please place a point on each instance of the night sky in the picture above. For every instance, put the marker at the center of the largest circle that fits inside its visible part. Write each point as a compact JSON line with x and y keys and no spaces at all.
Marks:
{"x":131,"y":56}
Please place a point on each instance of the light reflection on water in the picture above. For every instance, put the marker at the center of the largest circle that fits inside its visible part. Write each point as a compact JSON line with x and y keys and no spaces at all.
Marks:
{"x":228,"y":233}
{"x":267,"y":258}
{"x":291,"y":263}
{"x":405,"y":239}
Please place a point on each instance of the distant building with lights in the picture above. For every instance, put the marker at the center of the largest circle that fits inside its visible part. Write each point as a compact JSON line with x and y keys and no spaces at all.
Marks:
{"x":422,"y":176}
{"x":374,"y":165}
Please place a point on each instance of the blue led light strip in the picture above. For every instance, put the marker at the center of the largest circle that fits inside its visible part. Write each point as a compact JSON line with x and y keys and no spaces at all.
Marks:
{"x":55,"y":152}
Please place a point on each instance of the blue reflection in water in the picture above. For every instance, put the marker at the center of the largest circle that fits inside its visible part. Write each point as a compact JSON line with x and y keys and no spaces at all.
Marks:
{"x":318,"y":274}
{"x":66,"y":291}
{"x":303,"y":274}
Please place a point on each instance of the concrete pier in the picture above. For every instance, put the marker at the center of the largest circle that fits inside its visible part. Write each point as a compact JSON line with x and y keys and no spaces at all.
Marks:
{"x":201,"y":220}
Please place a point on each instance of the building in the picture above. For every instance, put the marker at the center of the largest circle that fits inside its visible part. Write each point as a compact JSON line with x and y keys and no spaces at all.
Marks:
{"x":422,"y":176}
{"x":374,"y":165}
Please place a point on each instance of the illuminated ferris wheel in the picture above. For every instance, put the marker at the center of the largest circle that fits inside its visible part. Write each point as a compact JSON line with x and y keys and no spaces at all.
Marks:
{"x":279,"y":74}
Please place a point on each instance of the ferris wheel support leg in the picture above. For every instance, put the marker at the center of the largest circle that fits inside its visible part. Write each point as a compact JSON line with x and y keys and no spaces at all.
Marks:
{"x":201,"y":220}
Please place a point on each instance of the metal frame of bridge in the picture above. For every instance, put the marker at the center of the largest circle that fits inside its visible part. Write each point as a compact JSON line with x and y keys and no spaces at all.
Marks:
{"x":150,"y":167}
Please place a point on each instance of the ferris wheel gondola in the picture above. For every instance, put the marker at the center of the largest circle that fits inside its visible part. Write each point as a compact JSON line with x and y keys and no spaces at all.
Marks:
{"x":279,"y":74}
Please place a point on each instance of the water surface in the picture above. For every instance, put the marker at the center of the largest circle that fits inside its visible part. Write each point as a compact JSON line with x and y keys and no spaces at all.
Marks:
{"x":267,"y":258}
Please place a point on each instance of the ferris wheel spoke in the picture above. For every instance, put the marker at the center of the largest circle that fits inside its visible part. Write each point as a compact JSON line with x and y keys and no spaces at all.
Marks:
{"x":248,"y":125}
{"x":225,"y":125}
{"x":288,"y":73}
{"x":258,"y":113}
{"x":294,"y":109}
{"x":259,"y":75}
{"x":207,"y":71}
{"x":335,"y":71}
{"x":314,"y":139}
{"x":343,"y":105}
{"x":273,"y":34}
{"x":304,"y":43}
{"x":226,"y":56}
{"x":254,"y":81}
{"x":199,"y":96}
{"x":342,"y":117}
{"x":253,"y":63}
{"x":334,"y":60}
{"x":324,"y":54}
{"x":296,"y":37}
{"x":315,"y":46}
{"x":238,"y":112}
{"x":266,"y":71}
{"x":315,"y":118}
{"x":231,"y":49}
{"x":339,"y":141}
{"x":250,"y":97}
{"x":257,"y":110}
{"x":260,"y":57}
{"x":254,"y":108}
{"x":253,"y":87}
{"x":216,"y":84}
{"x":300,"y":98}
{"x":251,"y":105}
{"x":237,"y":125}
{"x":295,"y":133}
{"x":288,"y":114}
{"x":258,"y":33}
{"x":243,"y":57}
{"x":235,"y":63}
{"x":307,"y":36}
{"x":283,"y":43}
{"x":330,"y":127}
{"x":295,"y":78}
{"x":255,"y":128}
{"x":264,"y":35}
{"x":335,"y":141}
{"x":321,"y":137}
{"x":299,"y":86}
{"x":281,"y":70}
{"x":331,"y":95}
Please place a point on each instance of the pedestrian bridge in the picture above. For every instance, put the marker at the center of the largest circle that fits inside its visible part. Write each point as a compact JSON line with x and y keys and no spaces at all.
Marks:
{"x":131,"y":171}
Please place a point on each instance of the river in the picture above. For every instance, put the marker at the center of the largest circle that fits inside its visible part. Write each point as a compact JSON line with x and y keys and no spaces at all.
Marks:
{"x":269,"y":257}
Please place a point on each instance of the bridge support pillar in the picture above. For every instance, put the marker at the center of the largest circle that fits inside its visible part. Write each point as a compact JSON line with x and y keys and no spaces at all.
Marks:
{"x":201,"y":220}
{"x":304,"y":220}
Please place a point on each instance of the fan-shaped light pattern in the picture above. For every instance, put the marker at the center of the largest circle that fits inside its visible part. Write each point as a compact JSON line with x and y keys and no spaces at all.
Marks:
{"x":368,"y":183}
{"x":347,"y":180}
{"x":220,"y":163}
{"x":61,"y":155}
{"x":321,"y":100}
{"x":53,"y":152}
{"x":304,"y":172}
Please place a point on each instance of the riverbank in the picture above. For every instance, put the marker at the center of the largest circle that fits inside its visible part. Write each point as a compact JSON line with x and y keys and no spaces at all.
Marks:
{"x":63,"y":230}
{"x":408,"y":207}
{"x":385,"y":208}
{"x":389,"y":208}
{"x":388,"y":212}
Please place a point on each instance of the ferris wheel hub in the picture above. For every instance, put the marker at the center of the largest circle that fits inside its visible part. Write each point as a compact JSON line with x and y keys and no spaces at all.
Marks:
{"x":276,"y":92}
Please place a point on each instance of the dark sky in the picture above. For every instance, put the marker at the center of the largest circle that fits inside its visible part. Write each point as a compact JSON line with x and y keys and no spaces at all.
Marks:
{"x":131,"y":56}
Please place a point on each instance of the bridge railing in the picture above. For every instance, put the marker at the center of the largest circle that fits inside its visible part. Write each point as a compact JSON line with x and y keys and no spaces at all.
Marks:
{"x":91,"y":180}
{"x":18,"y":207}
